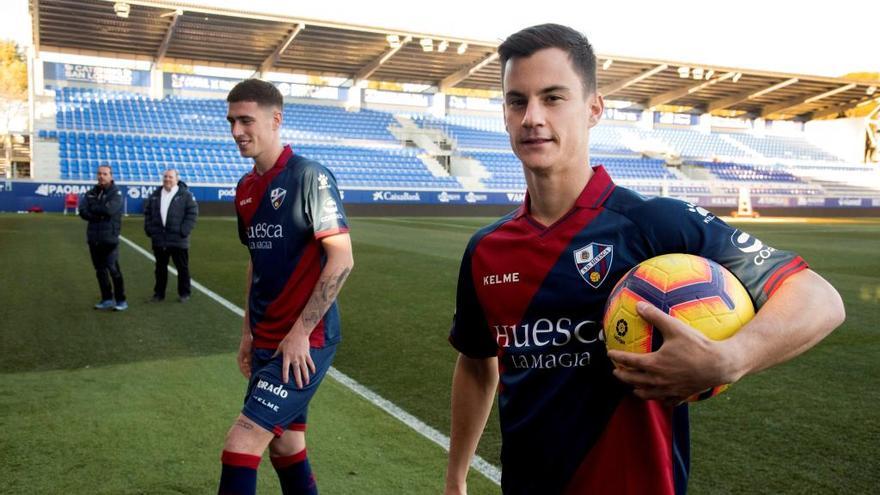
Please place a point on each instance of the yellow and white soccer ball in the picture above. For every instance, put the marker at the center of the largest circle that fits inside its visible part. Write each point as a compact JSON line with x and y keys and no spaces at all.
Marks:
{"x":696,"y":290}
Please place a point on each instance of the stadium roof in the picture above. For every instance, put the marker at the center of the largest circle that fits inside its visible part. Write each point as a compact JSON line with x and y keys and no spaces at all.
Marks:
{"x":175,"y":33}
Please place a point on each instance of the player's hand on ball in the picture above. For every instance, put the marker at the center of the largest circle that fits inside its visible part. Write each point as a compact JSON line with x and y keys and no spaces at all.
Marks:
{"x":244,"y":355}
{"x":688,"y":362}
{"x":296,"y":358}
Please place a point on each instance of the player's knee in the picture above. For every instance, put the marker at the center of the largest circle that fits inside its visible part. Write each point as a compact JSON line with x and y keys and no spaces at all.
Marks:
{"x":291,"y":442}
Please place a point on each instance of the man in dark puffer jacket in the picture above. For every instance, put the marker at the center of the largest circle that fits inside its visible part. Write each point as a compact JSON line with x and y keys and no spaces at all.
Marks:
{"x":102,"y":208}
{"x":170,"y":215}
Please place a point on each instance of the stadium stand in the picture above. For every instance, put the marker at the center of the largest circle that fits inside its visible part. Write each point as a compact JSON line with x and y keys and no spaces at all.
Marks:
{"x":695,"y":144}
{"x":751,"y":173}
{"x":141,"y":137}
{"x":477,"y":134}
{"x":783,"y":147}
{"x":83,"y":109}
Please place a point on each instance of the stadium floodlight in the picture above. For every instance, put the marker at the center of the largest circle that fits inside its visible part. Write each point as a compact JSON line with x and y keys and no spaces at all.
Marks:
{"x":462,"y":48}
{"x":427,"y":44}
{"x":684,"y":72}
{"x":870,"y":90}
{"x":393,"y":40}
{"x":607,"y":64}
{"x":122,"y":9}
{"x":442,"y":46}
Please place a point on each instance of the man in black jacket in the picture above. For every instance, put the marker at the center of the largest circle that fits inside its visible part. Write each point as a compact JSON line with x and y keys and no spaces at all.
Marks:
{"x":102,"y":208}
{"x":169,"y":217}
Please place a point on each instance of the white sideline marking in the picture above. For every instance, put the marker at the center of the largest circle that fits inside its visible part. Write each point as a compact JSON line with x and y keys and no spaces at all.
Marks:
{"x":213,"y":295}
{"x":481,"y":465}
{"x":488,"y":470}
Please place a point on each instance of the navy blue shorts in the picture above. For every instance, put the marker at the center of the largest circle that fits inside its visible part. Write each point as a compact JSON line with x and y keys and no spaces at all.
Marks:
{"x":274,"y":405}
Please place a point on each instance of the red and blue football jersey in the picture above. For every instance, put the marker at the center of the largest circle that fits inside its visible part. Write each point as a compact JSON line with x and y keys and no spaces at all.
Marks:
{"x":534,"y":296}
{"x":282,"y":216}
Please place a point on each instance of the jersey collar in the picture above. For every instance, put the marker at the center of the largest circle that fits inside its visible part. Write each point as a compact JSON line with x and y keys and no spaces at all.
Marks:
{"x":280,"y":163}
{"x":595,"y":193}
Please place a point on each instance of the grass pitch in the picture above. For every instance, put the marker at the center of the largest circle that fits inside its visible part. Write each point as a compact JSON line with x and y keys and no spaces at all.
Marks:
{"x":139,"y":402}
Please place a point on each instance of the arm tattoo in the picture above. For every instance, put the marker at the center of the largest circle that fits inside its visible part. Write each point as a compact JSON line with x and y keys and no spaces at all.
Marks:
{"x":244,"y":424}
{"x":325,"y":293}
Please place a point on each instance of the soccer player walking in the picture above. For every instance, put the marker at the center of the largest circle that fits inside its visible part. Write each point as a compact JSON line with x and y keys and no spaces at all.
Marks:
{"x":291,"y":219}
{"x":533,"y":285}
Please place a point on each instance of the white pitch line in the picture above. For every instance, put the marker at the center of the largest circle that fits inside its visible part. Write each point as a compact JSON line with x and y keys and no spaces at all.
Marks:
{"x":484,"y":467}
{"x":213,"y":295}
{"x":487,"y":469}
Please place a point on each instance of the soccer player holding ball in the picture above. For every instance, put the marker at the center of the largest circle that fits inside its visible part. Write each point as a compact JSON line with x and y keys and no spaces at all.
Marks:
{"x":533,"y":286}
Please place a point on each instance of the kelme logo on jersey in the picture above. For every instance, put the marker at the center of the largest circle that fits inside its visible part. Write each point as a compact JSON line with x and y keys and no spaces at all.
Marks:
{"x":323,"y":182}
{"x":277,"y":197}
{"x":706,"y":214}
{"x":593,"y":262}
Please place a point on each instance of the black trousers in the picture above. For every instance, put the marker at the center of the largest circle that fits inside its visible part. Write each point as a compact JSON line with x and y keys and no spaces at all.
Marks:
{"x":180,"y":256}
{"x":105,"y":259}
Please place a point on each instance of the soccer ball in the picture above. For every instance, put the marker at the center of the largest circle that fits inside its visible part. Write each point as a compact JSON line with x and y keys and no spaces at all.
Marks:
{"x":697,"y":291}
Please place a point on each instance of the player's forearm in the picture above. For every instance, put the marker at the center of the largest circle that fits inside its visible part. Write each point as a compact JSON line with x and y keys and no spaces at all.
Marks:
{"x":473,"y":390}
{"x":334,"y":274}
{"x":803,"y":311}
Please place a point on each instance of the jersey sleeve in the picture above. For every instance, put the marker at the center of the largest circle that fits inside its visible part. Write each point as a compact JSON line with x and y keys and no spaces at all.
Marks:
{"x":323,"y":202}
{"x":470,"y":333}
{"x":673,"y":226}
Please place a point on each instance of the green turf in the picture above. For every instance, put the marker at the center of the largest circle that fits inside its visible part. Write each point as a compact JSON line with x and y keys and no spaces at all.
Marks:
{"x":139,"y":402}
{"x":51,"y":304}
{"x":157,"y":427}
{"x":809,"y":426}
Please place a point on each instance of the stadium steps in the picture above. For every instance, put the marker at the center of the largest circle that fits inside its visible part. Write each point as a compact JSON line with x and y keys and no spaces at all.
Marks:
{"x":471,"y":183}
{"x":740,"y":146}
{"x":638,"y":143}
{"x":432,"y":141}
{"x":405,"y":121}
{"x":433,"y":166}
{"x":45,"y":154}
{"x":697,"y":172}
{"x":469,"y":172}
{"x":679,"y":174}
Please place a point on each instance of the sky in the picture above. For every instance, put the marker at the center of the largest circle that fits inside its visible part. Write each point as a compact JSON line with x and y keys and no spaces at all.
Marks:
{"x":773,"y":35}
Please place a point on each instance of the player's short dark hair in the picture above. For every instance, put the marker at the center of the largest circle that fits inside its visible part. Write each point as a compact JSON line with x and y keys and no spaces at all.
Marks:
{"x":265,"y":94}
{"x":106,"y":165}
{"x":526,"y":42}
